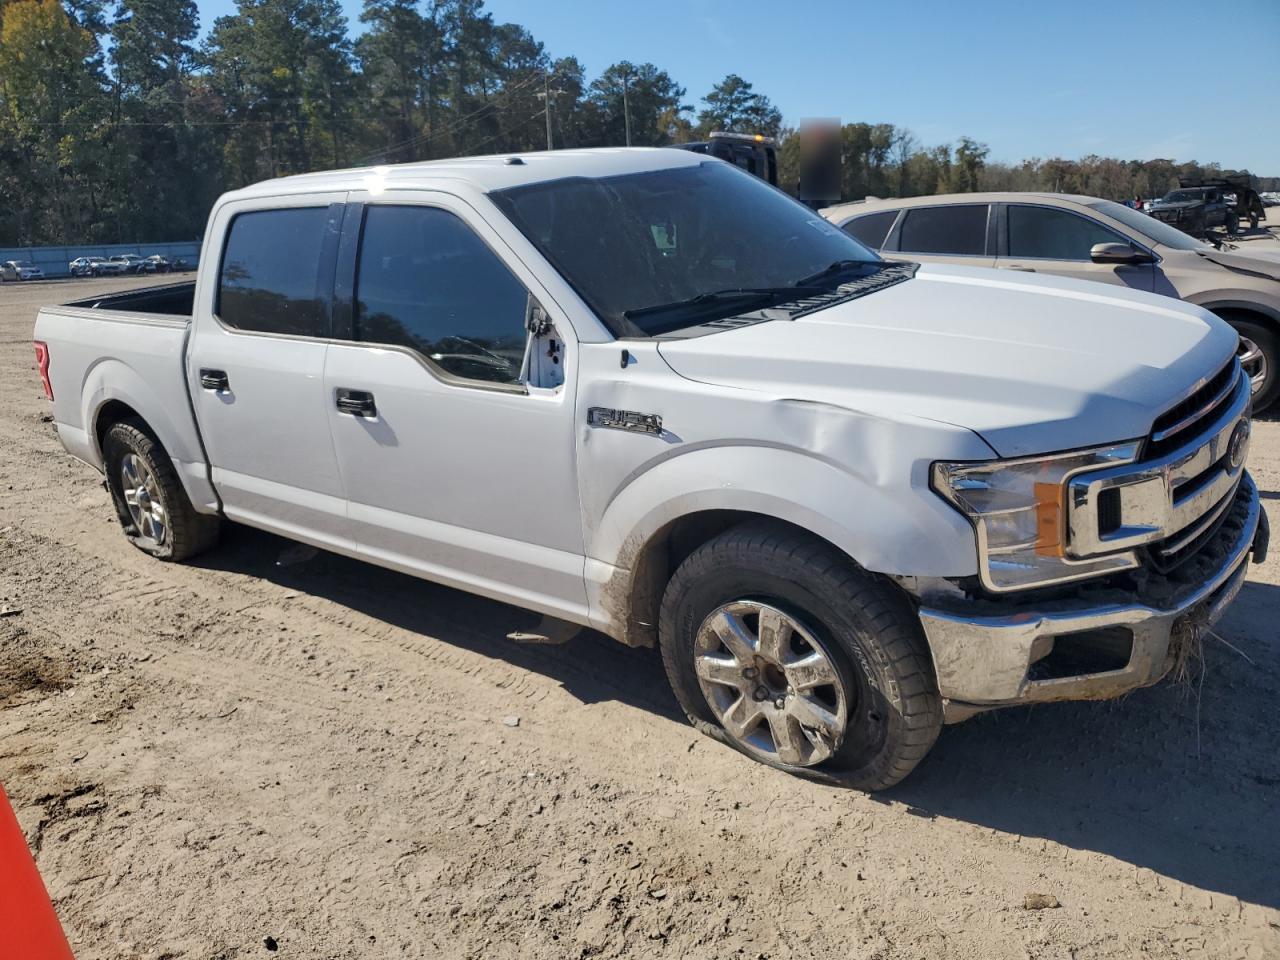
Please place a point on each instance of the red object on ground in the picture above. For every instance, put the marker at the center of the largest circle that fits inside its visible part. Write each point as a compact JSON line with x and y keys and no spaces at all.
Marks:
{"x":29,"y":929}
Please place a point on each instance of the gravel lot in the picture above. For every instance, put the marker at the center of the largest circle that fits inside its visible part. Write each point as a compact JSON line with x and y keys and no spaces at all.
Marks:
{"x":265,"y":752}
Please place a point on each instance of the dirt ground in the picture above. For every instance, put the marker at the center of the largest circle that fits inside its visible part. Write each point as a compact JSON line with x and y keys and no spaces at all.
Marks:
{"x":263,"y":753}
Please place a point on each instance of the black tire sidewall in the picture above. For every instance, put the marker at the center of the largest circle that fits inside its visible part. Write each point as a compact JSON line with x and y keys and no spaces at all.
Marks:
{"x":125,"y":438}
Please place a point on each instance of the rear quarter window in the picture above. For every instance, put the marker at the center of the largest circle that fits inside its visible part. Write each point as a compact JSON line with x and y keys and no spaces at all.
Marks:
{"x":270,"y":276}
{"x":872,"y":228}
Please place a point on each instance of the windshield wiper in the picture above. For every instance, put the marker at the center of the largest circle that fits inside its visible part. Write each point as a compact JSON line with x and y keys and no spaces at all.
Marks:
{"x":773,"y":294}
{"x":835,"y":269}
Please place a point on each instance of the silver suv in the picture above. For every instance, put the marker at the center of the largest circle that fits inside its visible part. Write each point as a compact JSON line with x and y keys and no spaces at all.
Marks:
{"x":1089,"y":239}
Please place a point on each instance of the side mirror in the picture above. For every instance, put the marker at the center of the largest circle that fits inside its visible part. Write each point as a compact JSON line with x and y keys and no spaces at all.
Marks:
{"x":1119,"y":254}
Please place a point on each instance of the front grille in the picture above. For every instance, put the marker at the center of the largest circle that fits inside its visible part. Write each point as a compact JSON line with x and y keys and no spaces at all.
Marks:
{"x":1178,"y":424}
{"x":1230,"y":514}
{"x":1173,"y":551}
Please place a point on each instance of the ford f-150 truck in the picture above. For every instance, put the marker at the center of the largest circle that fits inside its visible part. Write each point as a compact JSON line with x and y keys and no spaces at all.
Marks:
{"x":642,"y":391}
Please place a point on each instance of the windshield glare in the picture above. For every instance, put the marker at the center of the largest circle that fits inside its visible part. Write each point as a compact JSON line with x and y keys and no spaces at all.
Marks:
{"x":642,"y":240}
{"x":1157,"y":231}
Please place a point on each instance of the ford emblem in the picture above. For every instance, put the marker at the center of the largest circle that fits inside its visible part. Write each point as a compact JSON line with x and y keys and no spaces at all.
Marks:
{"x":1238,"y":445}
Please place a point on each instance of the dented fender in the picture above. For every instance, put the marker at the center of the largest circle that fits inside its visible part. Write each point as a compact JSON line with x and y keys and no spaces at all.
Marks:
{"x":859,"y":481}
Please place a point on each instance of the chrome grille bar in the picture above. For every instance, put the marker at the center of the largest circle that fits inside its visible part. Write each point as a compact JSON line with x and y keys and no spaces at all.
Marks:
{"x":1163,"y":497}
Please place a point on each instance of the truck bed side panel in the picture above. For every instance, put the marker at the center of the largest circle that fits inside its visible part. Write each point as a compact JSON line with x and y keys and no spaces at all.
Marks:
{"x":97,"y":356}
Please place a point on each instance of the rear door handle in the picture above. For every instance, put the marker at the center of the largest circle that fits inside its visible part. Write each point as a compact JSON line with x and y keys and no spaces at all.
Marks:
{"x":215,"y":380}
{"x":358,"y":403}
{"x":1018,"y":266}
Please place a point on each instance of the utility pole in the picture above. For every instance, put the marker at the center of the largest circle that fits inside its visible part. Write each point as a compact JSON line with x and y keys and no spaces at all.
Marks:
{"x":546,"y":98}
{"x":626,"y":106}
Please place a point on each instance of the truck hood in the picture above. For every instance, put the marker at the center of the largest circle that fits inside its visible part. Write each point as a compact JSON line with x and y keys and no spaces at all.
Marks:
{"x":1032,"y":364}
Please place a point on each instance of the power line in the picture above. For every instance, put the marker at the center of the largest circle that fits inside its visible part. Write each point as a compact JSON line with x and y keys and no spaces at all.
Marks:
{"x":456,"y":124}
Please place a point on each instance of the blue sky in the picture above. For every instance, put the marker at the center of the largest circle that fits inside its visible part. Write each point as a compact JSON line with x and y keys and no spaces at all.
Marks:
{"x":1135,"y":79}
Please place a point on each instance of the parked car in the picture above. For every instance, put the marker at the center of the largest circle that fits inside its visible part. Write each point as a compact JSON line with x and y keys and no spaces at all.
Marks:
{"x":109,"y":267}
{"x":84,"y":266}
{"x":1089,"y":239}
{"x":847,"y":498}
{"x":20,"y":270}
{"x":157,"y":264}
{"x":130,"y":263}
{"x":1200,"y":205}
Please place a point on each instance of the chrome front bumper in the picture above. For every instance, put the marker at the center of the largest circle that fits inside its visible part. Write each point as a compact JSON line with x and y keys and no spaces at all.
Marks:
{"x":985,"y":661}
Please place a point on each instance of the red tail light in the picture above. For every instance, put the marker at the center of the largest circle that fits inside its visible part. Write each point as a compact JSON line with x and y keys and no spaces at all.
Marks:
{"x":42,"y":364}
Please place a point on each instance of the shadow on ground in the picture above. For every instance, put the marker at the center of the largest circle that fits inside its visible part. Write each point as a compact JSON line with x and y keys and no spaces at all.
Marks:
{"x":1184,"y":780}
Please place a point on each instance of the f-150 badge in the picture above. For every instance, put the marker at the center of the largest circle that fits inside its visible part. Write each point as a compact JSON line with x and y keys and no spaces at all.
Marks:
{"x":628,"y":420}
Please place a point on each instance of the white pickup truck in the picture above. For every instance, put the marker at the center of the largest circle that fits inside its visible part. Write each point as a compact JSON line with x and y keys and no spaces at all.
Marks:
{"x":642,"y":391}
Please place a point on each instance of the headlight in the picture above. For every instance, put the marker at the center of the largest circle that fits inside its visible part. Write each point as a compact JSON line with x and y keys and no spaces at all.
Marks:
{"x":1018,"y":511}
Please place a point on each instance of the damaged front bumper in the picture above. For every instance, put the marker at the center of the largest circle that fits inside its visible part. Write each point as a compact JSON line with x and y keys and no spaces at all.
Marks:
{"x":1094,"y":647}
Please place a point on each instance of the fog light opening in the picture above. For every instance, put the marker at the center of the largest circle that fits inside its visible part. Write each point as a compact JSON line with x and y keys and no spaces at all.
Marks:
{"x":1083,"y":653}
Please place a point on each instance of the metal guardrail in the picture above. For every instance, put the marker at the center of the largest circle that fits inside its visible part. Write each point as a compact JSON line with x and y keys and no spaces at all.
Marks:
{"x":53,"y":260}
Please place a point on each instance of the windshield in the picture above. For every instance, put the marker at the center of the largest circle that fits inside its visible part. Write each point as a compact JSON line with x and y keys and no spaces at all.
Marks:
{"x":25,"y":264}
{"x":632,"y":243}
{"x":1157,"y":231}
{"x":1182,"y":196}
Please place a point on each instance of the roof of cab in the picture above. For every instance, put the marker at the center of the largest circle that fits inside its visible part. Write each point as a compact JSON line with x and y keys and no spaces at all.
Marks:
{"x":495,"y":172}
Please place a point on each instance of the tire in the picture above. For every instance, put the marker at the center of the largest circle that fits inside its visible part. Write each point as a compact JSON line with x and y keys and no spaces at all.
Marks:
{"x":179,"y":532}
{"x":1267,"y":342}
{"x":860,"y":628}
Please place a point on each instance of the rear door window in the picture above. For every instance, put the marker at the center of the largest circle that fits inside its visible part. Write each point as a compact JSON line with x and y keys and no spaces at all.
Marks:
{"x":959,"y":230}
{"x":271,"y":273}
{"x":426,"y":281}
{"x":870,"y":230}
{"x":1046,"y":233}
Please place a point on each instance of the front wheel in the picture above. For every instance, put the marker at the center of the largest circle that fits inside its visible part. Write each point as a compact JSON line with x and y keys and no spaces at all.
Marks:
{"x":1259,"y":355}
{"x":780,"y":646}
{"x":154,"y":509}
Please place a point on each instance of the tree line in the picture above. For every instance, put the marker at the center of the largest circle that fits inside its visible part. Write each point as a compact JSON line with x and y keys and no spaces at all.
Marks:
{"x":118,"y":123}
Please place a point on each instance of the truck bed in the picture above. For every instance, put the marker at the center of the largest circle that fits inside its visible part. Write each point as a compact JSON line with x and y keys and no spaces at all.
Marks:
{"x":126,"y":351}
{"x":170,"y":299}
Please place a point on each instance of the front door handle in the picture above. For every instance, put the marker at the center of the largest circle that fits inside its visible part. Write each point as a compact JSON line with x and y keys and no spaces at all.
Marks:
{"x":358,"y":403}
{"x":215,"y":380}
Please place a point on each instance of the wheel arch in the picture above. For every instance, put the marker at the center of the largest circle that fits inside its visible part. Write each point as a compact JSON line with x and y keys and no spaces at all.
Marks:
{"x":113,"y":392}
{"x":646,"y":532}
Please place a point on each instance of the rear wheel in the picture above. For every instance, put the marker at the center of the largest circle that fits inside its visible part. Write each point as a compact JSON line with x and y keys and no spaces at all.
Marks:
{"x":154,"y":510}
{"x":780,"y":646}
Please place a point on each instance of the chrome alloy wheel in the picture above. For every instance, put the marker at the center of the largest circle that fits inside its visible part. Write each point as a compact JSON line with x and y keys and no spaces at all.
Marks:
{"x":771,"y":683}
{"x":1254,"y":362}
{"x":142,"y":497}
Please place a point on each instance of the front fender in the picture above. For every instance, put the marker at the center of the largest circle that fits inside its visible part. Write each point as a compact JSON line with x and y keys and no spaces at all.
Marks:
{"x":895,"y":528}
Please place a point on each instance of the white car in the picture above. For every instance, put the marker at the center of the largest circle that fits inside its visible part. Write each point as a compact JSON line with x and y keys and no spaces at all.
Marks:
{"x":85,"y":266}
{"x":129,"y":263}
{"x":113,"y":267}
{"x":643,"y":391}
{"x":20,"y":270}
